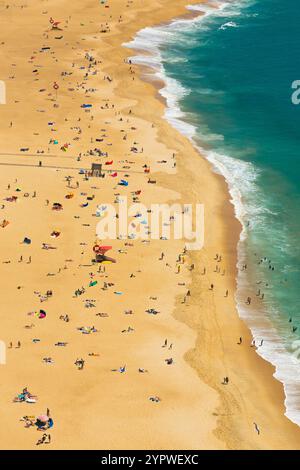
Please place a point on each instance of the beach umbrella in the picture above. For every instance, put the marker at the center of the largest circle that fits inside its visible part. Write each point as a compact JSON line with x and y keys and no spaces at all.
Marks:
{"x":55,"y":87}
{"x":43,"y":418}
{"x":104,"y":249}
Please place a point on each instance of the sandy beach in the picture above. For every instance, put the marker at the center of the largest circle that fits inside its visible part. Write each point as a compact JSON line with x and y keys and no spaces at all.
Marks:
{"x":107,"y":374}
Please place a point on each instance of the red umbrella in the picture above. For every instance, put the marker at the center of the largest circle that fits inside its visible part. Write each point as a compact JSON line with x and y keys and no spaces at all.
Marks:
{"x":104,"y":249}
{"x":43,"y":418}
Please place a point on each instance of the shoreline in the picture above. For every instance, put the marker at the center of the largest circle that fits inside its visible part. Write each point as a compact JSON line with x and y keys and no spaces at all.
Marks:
{"x":149,"y":73}
{"x":95,"y":408}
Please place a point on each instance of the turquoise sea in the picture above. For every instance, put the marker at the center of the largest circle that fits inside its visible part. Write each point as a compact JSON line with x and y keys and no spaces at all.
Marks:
{"x":228,"y":76}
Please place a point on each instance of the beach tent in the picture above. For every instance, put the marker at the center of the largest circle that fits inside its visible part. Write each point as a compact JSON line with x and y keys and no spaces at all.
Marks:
{"x":42,"y":314}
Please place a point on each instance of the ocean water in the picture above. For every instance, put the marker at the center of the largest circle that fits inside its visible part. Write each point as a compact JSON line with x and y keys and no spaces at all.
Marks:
{"x":228,"y":77}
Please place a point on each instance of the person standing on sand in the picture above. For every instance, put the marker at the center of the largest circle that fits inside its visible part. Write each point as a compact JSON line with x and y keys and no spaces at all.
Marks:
{"x":256,"y":428}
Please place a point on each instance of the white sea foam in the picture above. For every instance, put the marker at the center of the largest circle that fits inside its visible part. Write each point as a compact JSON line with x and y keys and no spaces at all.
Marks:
{"x":229,"y":24}
{"x":240,"y":176}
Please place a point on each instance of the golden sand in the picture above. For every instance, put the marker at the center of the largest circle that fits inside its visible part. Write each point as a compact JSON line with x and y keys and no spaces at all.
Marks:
{"x":96,"y":408}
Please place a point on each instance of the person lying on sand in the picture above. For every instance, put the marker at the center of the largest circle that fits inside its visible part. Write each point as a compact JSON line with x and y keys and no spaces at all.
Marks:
{"x":25,"y":396}
{"x":44,"y":440}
